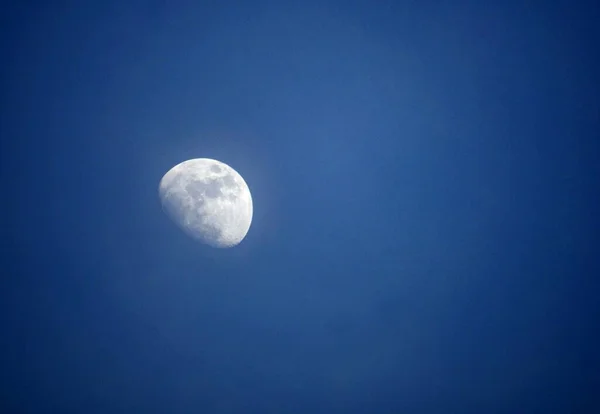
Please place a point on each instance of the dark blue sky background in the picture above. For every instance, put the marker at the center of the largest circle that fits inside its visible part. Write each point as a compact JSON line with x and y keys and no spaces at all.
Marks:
{"x":424,"y":177}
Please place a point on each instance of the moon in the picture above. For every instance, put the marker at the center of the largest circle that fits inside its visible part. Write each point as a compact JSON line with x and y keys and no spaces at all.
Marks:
{"x":208,"y":200}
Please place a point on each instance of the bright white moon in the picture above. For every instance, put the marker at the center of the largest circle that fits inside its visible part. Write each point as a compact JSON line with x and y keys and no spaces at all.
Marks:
{"x":208,"y":200}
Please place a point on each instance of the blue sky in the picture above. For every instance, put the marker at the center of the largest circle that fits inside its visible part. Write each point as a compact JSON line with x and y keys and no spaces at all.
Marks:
{"x":425,"y":232}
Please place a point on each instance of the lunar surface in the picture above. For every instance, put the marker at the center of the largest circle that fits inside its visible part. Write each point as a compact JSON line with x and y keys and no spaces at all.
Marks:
{"x":208,"y":200}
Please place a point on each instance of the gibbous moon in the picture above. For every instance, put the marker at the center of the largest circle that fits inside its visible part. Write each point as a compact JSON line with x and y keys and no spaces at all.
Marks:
{"x":208,"y":200}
